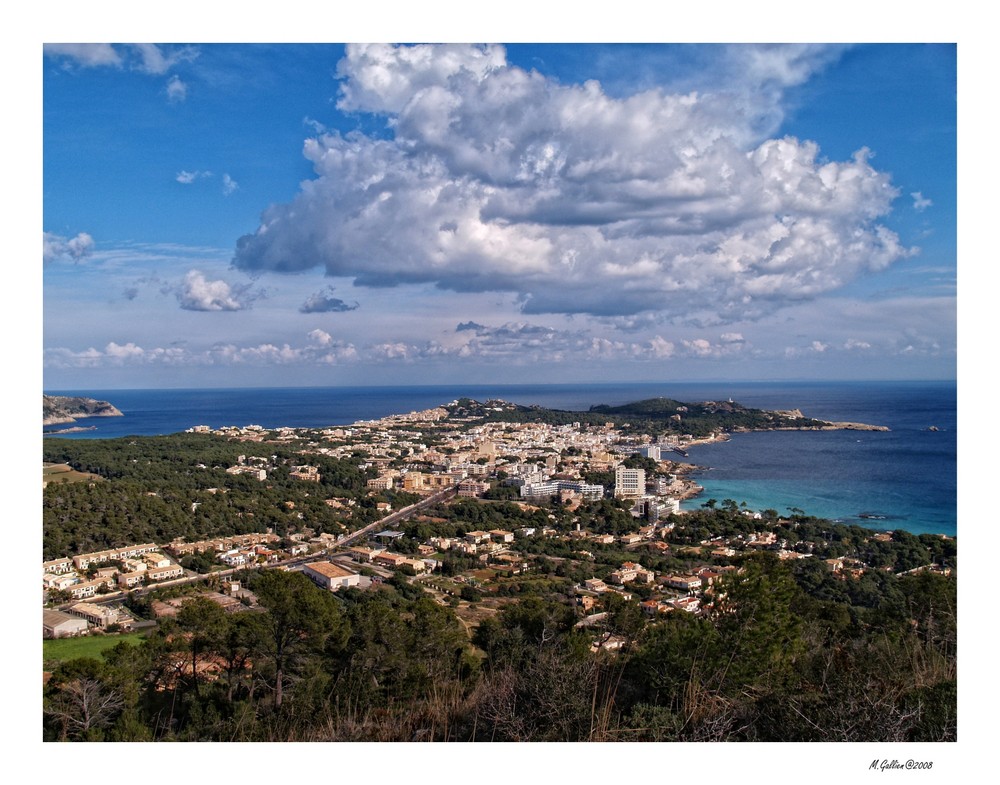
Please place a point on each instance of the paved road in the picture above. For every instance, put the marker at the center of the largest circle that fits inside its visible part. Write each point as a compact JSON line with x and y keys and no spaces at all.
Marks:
{"x":382,"y":523}
{"x":399,"y":515}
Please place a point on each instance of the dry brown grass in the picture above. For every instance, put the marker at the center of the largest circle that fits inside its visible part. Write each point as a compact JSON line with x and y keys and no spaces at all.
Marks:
{"x":60,"y":472}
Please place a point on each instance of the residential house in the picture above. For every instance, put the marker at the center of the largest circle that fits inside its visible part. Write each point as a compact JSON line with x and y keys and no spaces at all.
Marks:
{"x":306,"y":473}
{"x":84,"y":560}
{"x":688,"y":583}
{"x":165,"y":573}
{"x":234,"y":558}
{"x":500,"y":535}
{"x":654,"y":607}
{"x":388,"y":559}
{"x":156,"y":560}
{"x":477,"y":537}
{"x":59,"y":582}
{"x":365,"y":555}
{"x":80,"y":591}
{"x":629,"y":572}
{"x":57,"y":566}
{"x":129,"y":580}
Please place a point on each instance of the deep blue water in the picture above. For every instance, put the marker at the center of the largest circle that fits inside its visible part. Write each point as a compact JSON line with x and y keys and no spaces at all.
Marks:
{"x":907,"y":477}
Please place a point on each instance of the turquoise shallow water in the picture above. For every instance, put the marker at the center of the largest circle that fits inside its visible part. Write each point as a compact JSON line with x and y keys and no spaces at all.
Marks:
{"x":908,"y":476}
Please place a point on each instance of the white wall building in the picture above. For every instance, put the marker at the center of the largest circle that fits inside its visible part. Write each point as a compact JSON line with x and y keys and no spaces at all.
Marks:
{"x":629,"y":482}
{"x":331,"y":576}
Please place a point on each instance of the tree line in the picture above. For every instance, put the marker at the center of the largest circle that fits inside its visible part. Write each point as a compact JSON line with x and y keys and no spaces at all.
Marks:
{"x":164,"y":487}
{"x":769,"y":661}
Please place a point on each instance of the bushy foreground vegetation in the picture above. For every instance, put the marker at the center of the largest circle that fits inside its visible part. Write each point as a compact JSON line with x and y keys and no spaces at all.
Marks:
{"x":774,"y":660}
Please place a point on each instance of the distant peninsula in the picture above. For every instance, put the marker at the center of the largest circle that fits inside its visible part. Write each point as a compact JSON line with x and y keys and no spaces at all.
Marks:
{"x":58,"y":409}
{"x":699,"y":420}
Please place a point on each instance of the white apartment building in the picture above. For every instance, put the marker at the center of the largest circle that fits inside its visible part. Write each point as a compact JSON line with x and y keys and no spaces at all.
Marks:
{"x":629,"y":482}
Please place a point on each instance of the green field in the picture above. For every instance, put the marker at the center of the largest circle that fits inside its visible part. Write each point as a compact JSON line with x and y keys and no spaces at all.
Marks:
{"x":60,"y":472}
{"x":94,"y":646}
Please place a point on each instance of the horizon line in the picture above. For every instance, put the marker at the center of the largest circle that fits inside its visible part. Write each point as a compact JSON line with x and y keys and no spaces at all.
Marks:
{"x":503,"y":384}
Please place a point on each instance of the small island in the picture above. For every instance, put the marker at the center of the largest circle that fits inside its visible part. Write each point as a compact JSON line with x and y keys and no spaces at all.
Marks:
{"x":57,"y":409}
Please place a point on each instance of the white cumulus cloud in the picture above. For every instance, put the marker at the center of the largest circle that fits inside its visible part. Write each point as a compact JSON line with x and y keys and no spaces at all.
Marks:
{"x":197,"y":293}
{"x":156,"y":60}
{"x":920,"y":203}
{"x":176,"y":89}
{"x":320,"y":349}
{"x":56,"y":247}
{"x":85,"y":55}
{"x":499,"y":179}
{"x":186,"y":178}
{"x":146,"y":58}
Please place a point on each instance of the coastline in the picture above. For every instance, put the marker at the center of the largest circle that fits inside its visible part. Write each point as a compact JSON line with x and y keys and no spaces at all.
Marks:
{"x":908,"y":473}
{"x":75,"y":429}
{"x":835,"y":426}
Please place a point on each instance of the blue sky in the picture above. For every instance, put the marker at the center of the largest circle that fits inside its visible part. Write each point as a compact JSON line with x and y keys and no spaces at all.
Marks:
{"x":226,"y":215}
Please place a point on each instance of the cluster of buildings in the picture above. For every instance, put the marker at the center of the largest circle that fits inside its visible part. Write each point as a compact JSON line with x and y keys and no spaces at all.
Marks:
{"x":239,"y":550}
{"x":84,"y":576}
{"x":425,"y":452}
{"x":383,"y":557}
{"x":253,"y":466}
{"x":81,"y":618}
{"x":672,"y":591}
{"x":428,"y":451}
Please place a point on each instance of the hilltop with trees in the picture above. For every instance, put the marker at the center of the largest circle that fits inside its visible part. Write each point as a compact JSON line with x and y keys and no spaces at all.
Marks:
{"x":655,"y":415}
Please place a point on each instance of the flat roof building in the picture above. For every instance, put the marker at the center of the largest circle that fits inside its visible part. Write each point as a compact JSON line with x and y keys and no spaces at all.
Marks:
{"x":56,"y":624}
{"x":330,"y":576}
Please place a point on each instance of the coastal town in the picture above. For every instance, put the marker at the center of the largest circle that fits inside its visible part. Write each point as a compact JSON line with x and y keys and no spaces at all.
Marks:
{"x":474,"y":510}
{"x":503,"y":392}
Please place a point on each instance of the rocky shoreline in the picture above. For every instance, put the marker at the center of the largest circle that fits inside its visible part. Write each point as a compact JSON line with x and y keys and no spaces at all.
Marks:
{"x":835,"y":426}
{"x":826,"y":426}
{"x":75,"y":429}
{"x":60,"y":409}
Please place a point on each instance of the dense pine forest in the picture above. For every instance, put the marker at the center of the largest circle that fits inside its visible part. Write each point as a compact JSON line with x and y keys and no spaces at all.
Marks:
{"x":159,"y":488}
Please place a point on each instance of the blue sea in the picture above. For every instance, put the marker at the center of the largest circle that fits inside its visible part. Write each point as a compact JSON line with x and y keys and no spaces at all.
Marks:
{"x":905,"y":478}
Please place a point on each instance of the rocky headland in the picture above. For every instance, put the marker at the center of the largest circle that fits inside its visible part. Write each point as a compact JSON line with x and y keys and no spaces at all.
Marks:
{"x":823,"y":425}
{"x":58,"y":409}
